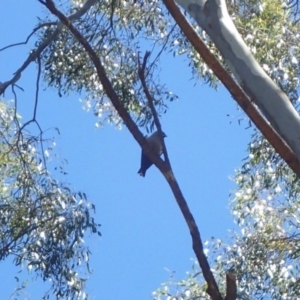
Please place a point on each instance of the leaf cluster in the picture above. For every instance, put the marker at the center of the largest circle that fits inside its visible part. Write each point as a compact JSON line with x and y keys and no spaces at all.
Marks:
{"x":43,"y":222}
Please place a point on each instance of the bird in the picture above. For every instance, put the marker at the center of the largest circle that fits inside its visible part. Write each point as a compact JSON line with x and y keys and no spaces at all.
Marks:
{"x":155,"y":143}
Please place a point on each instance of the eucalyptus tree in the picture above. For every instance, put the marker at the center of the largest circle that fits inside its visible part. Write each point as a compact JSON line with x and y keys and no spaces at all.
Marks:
{"x":43,"y":221}
{"x":95,"y":47}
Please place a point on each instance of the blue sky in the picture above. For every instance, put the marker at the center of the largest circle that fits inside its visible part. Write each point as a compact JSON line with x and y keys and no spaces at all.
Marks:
{"x":143,"y":232}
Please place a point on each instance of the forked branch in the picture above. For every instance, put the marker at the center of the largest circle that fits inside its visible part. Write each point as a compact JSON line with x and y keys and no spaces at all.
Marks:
{"x":33,"y":56}
{"x":212,"y":289}
{"x":235,"y":90}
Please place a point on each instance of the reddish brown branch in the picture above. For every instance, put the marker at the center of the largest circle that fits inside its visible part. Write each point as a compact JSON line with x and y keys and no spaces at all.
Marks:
{"x":235,"y":90}
{"x":231,"y":289}
{"x":212,"y":287}
{"x":212,"y":290}
{"x":196,"y":238}
{"x":114,"y":98}
{"x":189,"y":218}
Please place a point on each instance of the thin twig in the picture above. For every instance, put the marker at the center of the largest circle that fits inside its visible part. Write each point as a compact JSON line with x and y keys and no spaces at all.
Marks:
{"x":37,"y":88}
{"x":141,"y":72}
{"x":166,"y":40}
{"x":16,"y":104}
{"x":32,"y":120}
{"x":35,"y":108}
{"x":29,"y":36}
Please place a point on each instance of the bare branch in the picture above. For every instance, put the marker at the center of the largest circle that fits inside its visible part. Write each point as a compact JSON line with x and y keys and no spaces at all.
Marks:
{"x":196,"y":238}
{"x":116,"y":101}
{"x":235,"y":90}
{"x":35,"y":108}
{"x":231,"y":288}
{"x":141,"y":72}
{"x":212,"y":289}
{"x":166,"y":40}
{"x":37,"y":88}
{"x":19,"y":141}
{"x":29,"y":36}
{"x":31,"y":58}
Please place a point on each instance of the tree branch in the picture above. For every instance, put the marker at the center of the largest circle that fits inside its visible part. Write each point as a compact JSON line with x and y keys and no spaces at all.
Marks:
{"x":29,"y":36}
{"x":235,"y":90}
{"x":114,"y":98}
{"x":231,"y":289}
{"x":36,"y":53}
{"x":189,"y":218}
{"x":212,"y":289}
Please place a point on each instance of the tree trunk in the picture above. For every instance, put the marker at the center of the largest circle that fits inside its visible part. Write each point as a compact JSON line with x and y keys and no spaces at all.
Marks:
{"x":212,"y":16}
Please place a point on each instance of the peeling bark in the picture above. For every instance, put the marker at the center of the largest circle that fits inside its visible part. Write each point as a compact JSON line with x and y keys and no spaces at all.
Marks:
{"x":212,"y":16}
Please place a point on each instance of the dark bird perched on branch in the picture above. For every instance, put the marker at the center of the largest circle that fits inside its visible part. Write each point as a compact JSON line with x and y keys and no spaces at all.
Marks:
{"x":155,"y":143}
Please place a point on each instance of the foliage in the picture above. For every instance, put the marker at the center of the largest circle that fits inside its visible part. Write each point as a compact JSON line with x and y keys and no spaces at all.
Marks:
{"x":265,"y":205}
{"x":42,"y":222}
{"x":118,"y":31}
{"x":42,"y":218}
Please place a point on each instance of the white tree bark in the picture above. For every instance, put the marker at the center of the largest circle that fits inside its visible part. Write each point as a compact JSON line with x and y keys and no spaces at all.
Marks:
{"x":212,"y":16}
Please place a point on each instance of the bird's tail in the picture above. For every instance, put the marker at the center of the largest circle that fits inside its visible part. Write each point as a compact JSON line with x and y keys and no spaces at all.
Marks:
{"x":141,"y":172}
